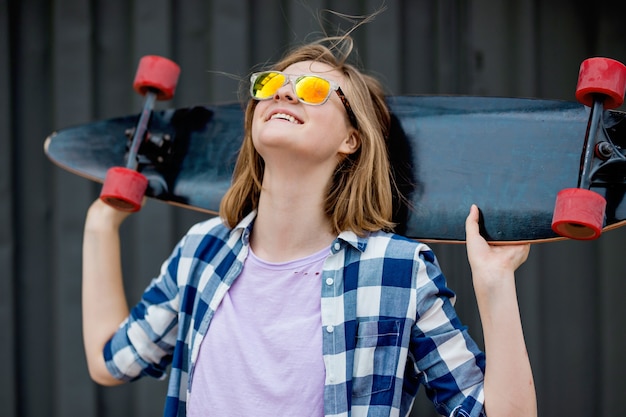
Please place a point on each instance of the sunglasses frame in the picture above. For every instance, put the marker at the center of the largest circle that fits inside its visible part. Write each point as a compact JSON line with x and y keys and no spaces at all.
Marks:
{"x":293,"y":79}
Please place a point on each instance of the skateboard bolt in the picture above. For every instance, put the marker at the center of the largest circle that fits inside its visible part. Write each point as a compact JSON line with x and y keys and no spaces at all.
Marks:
{"x":604,"y":150}
{"x":157,"y":140}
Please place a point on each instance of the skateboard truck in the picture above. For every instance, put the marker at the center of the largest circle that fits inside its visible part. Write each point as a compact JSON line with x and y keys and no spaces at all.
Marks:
{"x":155,"y":147}
{"x":579,"y":212}
{"x":124,"y":187}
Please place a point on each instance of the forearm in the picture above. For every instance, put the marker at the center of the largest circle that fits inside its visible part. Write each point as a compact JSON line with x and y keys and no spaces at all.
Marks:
{"x":509,"y":385}
{"x":103,"y":299}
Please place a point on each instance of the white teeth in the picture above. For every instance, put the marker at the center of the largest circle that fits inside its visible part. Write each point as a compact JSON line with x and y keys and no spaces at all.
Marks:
{"x":284,"y":116}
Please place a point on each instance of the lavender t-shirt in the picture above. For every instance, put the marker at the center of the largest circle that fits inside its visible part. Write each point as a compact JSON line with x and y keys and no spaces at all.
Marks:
{"x":262,"y":354}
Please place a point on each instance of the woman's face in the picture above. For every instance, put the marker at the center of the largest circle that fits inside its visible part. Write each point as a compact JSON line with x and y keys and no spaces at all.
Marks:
{"x":284,"y":130}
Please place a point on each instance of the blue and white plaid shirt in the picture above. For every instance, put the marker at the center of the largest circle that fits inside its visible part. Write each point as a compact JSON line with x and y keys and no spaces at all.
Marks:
{"x":388,"y":324}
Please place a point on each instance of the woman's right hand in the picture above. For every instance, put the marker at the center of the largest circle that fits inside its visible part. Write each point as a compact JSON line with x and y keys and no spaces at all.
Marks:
{"x":102,"y":216}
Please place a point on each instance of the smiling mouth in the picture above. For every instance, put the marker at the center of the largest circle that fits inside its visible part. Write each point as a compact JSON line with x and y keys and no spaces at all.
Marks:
{"x":284,"y":116}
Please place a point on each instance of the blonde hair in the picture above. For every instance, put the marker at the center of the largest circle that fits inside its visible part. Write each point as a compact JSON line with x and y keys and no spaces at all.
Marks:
{"x":359,"y":194}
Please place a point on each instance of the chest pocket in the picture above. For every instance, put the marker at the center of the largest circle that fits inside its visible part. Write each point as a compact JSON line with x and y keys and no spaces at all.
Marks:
{"x":375,"y":357}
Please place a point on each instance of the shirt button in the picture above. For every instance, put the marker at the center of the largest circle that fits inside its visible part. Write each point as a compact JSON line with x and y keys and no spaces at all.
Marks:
{"x":330,"y":329}
{"x":337,"y":245}
{"x":329,"y":281}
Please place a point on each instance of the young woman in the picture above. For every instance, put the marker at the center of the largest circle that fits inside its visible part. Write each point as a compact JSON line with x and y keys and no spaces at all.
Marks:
{"x":298,"y":300}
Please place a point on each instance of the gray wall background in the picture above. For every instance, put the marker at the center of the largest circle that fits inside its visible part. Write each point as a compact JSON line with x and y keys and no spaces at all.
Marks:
{"x":67,"y":62}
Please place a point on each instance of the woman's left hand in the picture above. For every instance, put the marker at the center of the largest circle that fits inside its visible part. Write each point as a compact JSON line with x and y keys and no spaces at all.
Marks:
{"x":491,"y":262}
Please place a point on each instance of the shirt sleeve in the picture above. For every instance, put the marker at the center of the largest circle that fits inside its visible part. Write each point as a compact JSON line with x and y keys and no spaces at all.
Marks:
{"x":144,"y":342}
{"x":447,"y":361}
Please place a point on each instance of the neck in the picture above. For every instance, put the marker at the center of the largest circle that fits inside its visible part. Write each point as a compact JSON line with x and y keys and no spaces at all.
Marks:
{"x":291,"y":222}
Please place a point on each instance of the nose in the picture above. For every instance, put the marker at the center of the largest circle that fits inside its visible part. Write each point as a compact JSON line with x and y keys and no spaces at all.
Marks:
{"x":286,"y":92}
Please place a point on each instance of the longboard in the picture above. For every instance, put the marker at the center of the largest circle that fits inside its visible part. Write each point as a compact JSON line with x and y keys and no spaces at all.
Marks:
{"x":510,"y":156}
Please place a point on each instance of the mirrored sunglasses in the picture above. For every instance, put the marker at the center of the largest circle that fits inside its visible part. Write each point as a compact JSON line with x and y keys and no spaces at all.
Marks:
{"x":309,"y":89}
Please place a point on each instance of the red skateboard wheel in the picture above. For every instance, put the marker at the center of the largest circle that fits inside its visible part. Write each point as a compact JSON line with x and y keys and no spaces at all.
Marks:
{"x":124,"y":189}
{"x":579,"y":214}
{"x":158,"y":74}
{"x":601,"y":76}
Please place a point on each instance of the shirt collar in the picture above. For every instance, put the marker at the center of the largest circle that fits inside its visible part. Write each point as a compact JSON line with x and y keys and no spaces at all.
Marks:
{"x":350,"y":238}
{"x":245,"y":227}
{"x":345,"y":238}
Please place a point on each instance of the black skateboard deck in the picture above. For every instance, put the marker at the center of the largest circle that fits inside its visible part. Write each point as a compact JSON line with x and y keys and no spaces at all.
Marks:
{"x":509,"y":156}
